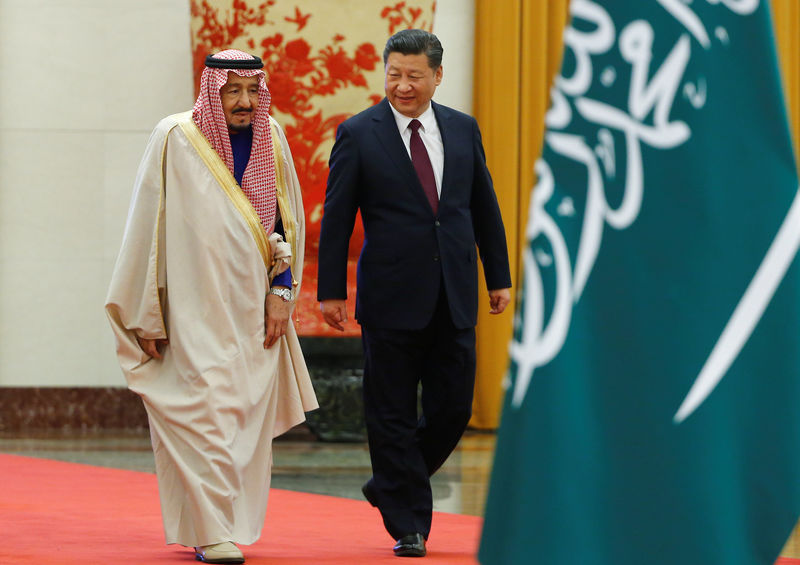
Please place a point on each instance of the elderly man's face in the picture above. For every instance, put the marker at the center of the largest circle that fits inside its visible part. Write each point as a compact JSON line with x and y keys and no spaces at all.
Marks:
{"x":239,"y":101}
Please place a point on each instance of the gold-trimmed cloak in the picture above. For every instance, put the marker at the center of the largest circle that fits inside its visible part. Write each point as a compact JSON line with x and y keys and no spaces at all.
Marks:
{"x":194,"y":268}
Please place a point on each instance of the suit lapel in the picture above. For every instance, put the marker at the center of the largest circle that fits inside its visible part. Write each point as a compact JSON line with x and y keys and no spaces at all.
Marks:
{"x":442,"y":120}
{"x":387,"y":134}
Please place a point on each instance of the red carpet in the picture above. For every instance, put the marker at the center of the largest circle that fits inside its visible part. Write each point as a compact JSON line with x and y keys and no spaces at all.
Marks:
{"x":66,"y":513}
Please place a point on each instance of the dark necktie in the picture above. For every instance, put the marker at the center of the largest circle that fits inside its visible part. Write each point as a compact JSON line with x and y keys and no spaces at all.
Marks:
{"x":422,"y":164}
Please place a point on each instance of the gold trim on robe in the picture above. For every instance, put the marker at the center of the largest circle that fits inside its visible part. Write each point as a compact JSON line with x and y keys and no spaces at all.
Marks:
{"x":158,"y":237}
{"x":227,"y":182}
{"x":287,"y":216}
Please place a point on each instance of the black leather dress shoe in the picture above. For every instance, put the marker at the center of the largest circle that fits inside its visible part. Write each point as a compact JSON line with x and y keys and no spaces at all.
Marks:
{"x":368,"y":493}
{"x":412,"y":545}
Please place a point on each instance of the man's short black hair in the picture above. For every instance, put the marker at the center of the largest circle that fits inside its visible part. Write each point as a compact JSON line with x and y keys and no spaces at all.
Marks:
{"x":415,"y":42}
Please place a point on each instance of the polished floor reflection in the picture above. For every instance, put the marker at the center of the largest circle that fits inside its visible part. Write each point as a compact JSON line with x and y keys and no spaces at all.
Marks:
{"x":337,"y":469}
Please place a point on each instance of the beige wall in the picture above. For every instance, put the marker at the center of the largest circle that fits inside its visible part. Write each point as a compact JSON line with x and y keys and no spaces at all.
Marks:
{"x":83,"y":83}
{"x":454,"y":25}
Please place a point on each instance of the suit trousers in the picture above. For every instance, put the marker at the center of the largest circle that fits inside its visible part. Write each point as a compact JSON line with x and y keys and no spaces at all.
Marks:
{"x":406,"y":447}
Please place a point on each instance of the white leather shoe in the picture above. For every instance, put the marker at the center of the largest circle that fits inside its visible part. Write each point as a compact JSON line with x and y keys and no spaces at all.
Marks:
{"x":225,"y":552}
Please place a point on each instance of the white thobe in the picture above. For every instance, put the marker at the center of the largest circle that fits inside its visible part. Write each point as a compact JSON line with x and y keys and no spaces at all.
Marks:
{"x":191,"y":270}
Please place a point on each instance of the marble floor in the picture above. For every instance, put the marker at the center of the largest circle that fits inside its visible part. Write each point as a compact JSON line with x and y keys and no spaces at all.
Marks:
{"x":299,"y":464}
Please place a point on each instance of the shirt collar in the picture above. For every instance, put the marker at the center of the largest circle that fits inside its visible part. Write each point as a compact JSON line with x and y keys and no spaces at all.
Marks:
{"x":427,"y":119}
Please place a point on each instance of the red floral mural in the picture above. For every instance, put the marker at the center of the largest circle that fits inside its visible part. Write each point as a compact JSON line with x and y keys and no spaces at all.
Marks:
{"x":305,"y":78}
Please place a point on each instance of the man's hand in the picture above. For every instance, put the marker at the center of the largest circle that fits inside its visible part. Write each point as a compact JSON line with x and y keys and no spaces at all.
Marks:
{"x":151,"y":346}
{"x":499,"y":299}
{"x":277,"y":318}
{"x":334,"y":312}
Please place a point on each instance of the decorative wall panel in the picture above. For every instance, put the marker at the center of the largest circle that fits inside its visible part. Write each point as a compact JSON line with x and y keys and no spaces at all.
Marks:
{"x":323,"y":62}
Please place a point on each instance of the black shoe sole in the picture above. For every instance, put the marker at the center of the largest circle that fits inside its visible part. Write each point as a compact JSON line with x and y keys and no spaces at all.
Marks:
{"x":410,"y":553}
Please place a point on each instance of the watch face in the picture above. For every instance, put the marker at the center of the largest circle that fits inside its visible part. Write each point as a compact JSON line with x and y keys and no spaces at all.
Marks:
{"x":284,"y":293}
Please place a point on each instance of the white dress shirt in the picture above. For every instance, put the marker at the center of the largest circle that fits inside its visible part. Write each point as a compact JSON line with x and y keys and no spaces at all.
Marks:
{"x":431,"y":137}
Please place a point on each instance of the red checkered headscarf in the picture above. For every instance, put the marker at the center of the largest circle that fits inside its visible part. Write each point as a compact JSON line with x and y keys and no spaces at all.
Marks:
{"x":258,"y":181}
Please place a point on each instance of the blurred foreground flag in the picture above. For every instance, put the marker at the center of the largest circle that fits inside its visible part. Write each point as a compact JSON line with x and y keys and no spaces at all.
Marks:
{"x":653,"y":409}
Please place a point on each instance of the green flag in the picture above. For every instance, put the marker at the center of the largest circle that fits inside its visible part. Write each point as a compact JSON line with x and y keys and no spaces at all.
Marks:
{"x":653,"y":406}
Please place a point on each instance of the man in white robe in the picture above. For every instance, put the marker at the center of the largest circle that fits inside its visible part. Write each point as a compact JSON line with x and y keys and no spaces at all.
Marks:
{"x":200,"y":303}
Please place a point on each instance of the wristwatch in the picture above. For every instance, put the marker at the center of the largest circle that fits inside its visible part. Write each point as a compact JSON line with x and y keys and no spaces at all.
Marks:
{"x":285,"y":293}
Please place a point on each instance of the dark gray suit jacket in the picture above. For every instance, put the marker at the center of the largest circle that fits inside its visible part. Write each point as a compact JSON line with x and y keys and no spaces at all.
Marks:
{"x":408,"y":251}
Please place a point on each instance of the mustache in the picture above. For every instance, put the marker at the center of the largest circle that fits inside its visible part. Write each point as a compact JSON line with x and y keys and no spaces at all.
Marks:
{"x":242,"y":111}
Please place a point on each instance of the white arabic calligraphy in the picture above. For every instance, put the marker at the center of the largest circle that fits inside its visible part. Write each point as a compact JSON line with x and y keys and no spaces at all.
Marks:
{"x":654,"y":96}
{"x":692,"y":22}
{"x":646,"y":120}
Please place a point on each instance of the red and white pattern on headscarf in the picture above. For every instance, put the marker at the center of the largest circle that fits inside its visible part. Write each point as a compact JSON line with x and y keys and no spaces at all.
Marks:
{"x":258,"y":181}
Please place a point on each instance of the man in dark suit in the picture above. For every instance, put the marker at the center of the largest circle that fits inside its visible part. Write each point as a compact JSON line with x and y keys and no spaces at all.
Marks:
{"x":417,"y":172}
